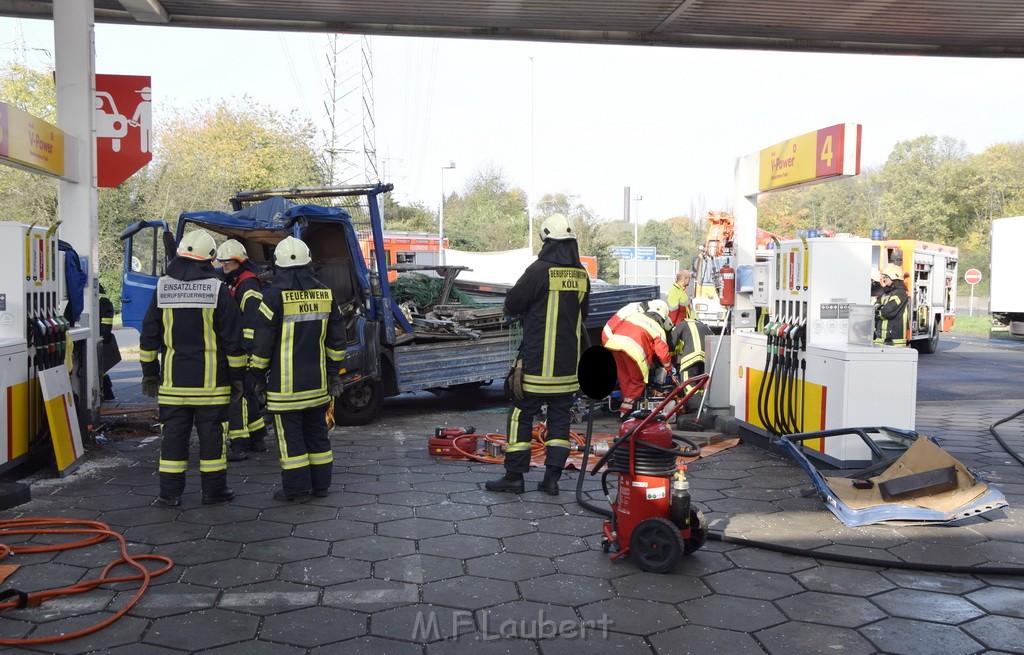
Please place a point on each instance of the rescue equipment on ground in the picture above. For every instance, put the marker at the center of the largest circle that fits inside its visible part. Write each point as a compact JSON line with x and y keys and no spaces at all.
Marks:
{"x":442,"y":444}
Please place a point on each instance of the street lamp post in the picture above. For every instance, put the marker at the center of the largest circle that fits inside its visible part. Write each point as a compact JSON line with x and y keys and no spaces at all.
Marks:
{"x":440,"y":214}
{"x":636,"y":240}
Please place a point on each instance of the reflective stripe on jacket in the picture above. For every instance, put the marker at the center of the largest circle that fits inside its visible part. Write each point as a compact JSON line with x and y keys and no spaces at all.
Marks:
{"x":678,"y":304}
{"x":642,"y":338}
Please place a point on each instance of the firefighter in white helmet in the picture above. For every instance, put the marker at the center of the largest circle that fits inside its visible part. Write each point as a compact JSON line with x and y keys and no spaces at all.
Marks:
{"x":246,"y":428}
{"x":635,"y":344}
{"x":552,"y":297}
{"x":300,"y":341}
{"x":892,"y":315}
{"x":195,"y":323}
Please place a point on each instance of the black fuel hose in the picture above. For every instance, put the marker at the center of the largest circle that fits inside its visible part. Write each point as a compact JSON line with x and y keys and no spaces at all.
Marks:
{"x":580,"y":500}
{"x":1006,"y":447}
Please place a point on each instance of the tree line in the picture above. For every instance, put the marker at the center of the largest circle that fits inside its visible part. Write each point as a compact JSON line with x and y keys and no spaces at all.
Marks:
{"x":930,"y":188}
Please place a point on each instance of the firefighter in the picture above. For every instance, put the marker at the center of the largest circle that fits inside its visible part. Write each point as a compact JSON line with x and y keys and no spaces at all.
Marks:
{"x":194,"y":321}
{"x":635,"y":344}
{"x":246,"y":428}
{"x":111,"y":355}
{"x":299,"y":339}
{"x":628,"y":310}
{"x":892,"y":318}
{"x":552,"y":297}
{"x":678,"y":300}
{"x":687,"y":346}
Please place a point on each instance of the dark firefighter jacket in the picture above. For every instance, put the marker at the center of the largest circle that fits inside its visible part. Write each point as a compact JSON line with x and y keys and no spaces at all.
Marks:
{"x":247,"y":291}
{"x":552,"y":297}
{"x":893,"y":318}
{"x":299,"y":335}
{"x":195,"y":322}
{"x":106,"y":314}
{"x":687,"y":341}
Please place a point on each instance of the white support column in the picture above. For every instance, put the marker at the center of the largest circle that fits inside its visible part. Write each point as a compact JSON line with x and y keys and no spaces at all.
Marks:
{"x":75,"y":55}
{"x":745,"y":190}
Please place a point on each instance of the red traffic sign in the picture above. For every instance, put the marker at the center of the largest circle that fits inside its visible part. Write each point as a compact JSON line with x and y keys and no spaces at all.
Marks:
{"x":123,"y":115}
{"x":972,"y":276}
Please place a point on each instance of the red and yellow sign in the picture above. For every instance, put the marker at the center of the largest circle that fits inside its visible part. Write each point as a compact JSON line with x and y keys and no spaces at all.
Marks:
{"x":30,"y":142}
{"x":806,"y":158}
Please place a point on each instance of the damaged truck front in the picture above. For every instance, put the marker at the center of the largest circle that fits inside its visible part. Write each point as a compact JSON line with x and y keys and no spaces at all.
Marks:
{"x":389,"y":352}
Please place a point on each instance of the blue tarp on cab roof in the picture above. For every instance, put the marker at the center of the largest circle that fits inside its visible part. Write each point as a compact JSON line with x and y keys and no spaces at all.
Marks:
{"x":273,"y":213}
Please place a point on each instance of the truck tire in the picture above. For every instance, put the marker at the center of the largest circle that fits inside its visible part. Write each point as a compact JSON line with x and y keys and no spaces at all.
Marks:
{"x":931,"y":344}
{"x":359,"y":404}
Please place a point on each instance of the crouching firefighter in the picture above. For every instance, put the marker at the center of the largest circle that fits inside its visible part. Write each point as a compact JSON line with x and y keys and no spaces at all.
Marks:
{"x":246,"y":428}
{"x":195,"y":323}
{"x":635,"y":343}
{"x":299,"y":340}
{"x":552,"y":296}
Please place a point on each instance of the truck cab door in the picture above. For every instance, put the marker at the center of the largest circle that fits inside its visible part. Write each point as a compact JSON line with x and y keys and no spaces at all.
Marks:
{"x":146,"y":253}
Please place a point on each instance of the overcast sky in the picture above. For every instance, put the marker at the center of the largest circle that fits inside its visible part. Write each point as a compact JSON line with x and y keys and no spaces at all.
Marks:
{"x":669,"y":123}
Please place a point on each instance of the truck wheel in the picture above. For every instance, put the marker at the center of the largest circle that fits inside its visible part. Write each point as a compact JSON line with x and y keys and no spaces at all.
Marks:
{"x":359,"y":404}
{"x":931,"y":344}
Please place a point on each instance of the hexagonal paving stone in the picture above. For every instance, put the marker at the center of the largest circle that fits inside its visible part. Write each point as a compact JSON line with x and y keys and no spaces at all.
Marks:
{"x":594,"y":639}
{"x":445,"y":486}
{"x":266,"y":598}
{"x":703,"y":562}
{"x":594,"y":564}
{"x":579,"y":526}
{"x":483,"y":497}
{"x":999,"y":600}
{"x":230,"y":573}
{"x":202,"y":630}
{"x":120,"y":501}
{"x":927,"y":606}
{"x":483,"y":645}
{"x":766,"y":560}
{"x":510,"y":566}
{"x":421,"y":623}
{"x":418,"y":568}
{"x":702,"y":639}
{"x":634,"y":616}
{"x":373,"y":549}
{"x":370,"y":595}
{"x":369,"y":646}
{"x":753,"y":584}
{"x":256,"y":648}
{"x":673,"y":588}
{"x":998,"y":632}
{"x":250,"y":531}
{"x":411,"y":498}
{"x":731,"y":613}
{"x":291,"y":513}
{"x":549,"y":544}
{"x":333,"y":530}
{"x":524,"y":620}
{"x":374,"y":513}
{"x":216,"y":514}
{"x":460,"y":546}
{"x":159,"y":534}
{"x":324,"y":571}
{"x":944,"y":553}
{"x":377,"y":487}
{"x":906,"y":637}
{"x":200,"y":551}
{"x":563,"y":589}
{"x":288,"y":549}
{"x":119,"y":635}
{"x":1001,"y":552}
{"x":448,"y":511}
{"x":943,"y":583}
{"x":842,"y":580}
{"x":313,"y":626}
{"x":415,"y":528}
{"x":830,"y":609}
{"x":527,"y":511}
{"x":170,"y":599}
{"x":797,"y":637}
{"x":469,"y":592}
{"x":124,"y":518}
{"x":492,"y":526}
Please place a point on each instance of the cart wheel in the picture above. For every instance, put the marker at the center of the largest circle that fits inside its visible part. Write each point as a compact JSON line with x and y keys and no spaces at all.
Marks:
{"x":606,"y":546}
{"x":656,"y":544}
{"x":698,"y":532}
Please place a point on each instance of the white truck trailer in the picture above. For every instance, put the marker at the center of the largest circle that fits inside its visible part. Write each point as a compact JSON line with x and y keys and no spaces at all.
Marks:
{"x":1006,"y":295}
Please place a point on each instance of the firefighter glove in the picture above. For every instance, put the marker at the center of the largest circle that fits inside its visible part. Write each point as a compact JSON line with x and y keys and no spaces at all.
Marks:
{"x":150,"y":386}
{"x":257,"y":381}
{"x":334,"y":385}
{"x":237,"y":386}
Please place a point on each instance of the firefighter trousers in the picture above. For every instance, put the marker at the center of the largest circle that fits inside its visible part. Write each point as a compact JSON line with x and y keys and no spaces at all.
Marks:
{"x":520,"y":431}
{"x":245,"y":420}
{"x":306,"y":457}
{"x":177,"y":422}
{"x":631,"y":381}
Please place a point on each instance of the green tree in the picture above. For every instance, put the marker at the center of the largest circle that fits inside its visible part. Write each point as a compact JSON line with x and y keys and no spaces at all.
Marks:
{"x":489,"y":215}
{"x":416,"y":217}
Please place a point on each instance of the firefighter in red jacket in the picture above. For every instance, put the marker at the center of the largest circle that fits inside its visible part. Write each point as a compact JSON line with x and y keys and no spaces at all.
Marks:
{"x":246,"y":428}
{"x":552,"y":297}
{"x":299,"y":340}
{"x":195,"y":324}
{"x":635,"y":343}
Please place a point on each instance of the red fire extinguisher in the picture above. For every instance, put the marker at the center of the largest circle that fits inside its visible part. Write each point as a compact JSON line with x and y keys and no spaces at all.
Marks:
{"x":728,"y":295}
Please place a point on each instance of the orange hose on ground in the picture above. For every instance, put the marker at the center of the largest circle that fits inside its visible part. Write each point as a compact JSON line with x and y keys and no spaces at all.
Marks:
{"x":537,"y":434}
{"x":99,"y":532}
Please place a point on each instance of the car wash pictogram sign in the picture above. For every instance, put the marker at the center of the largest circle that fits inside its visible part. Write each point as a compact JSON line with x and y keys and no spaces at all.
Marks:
{"x":123,"y":115}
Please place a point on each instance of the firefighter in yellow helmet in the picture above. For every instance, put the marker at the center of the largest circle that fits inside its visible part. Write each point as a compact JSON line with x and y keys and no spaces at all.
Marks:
{"x":297,"y":354}
{"x":552,"y":297}
{"x":246,"y":429}
{"x":195,"y":323}
{"x":892,"y":315}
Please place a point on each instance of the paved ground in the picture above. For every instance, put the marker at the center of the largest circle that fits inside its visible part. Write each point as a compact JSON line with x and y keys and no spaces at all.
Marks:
{"x":411,"y":555}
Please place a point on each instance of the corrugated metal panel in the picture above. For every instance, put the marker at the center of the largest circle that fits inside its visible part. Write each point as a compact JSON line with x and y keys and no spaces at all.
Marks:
{"x":430,"y":366}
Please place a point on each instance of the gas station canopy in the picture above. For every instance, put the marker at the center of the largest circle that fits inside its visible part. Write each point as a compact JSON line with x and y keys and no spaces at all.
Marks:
{"x":985,"y":28}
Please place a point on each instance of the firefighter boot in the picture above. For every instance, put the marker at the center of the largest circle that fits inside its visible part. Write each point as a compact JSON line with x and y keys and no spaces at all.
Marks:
{"x":257,"y":440}
{"x":549,"y":484}
{"x":238,"y":449}
{"x":512,"y":482}
{"x":215,"y":487}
